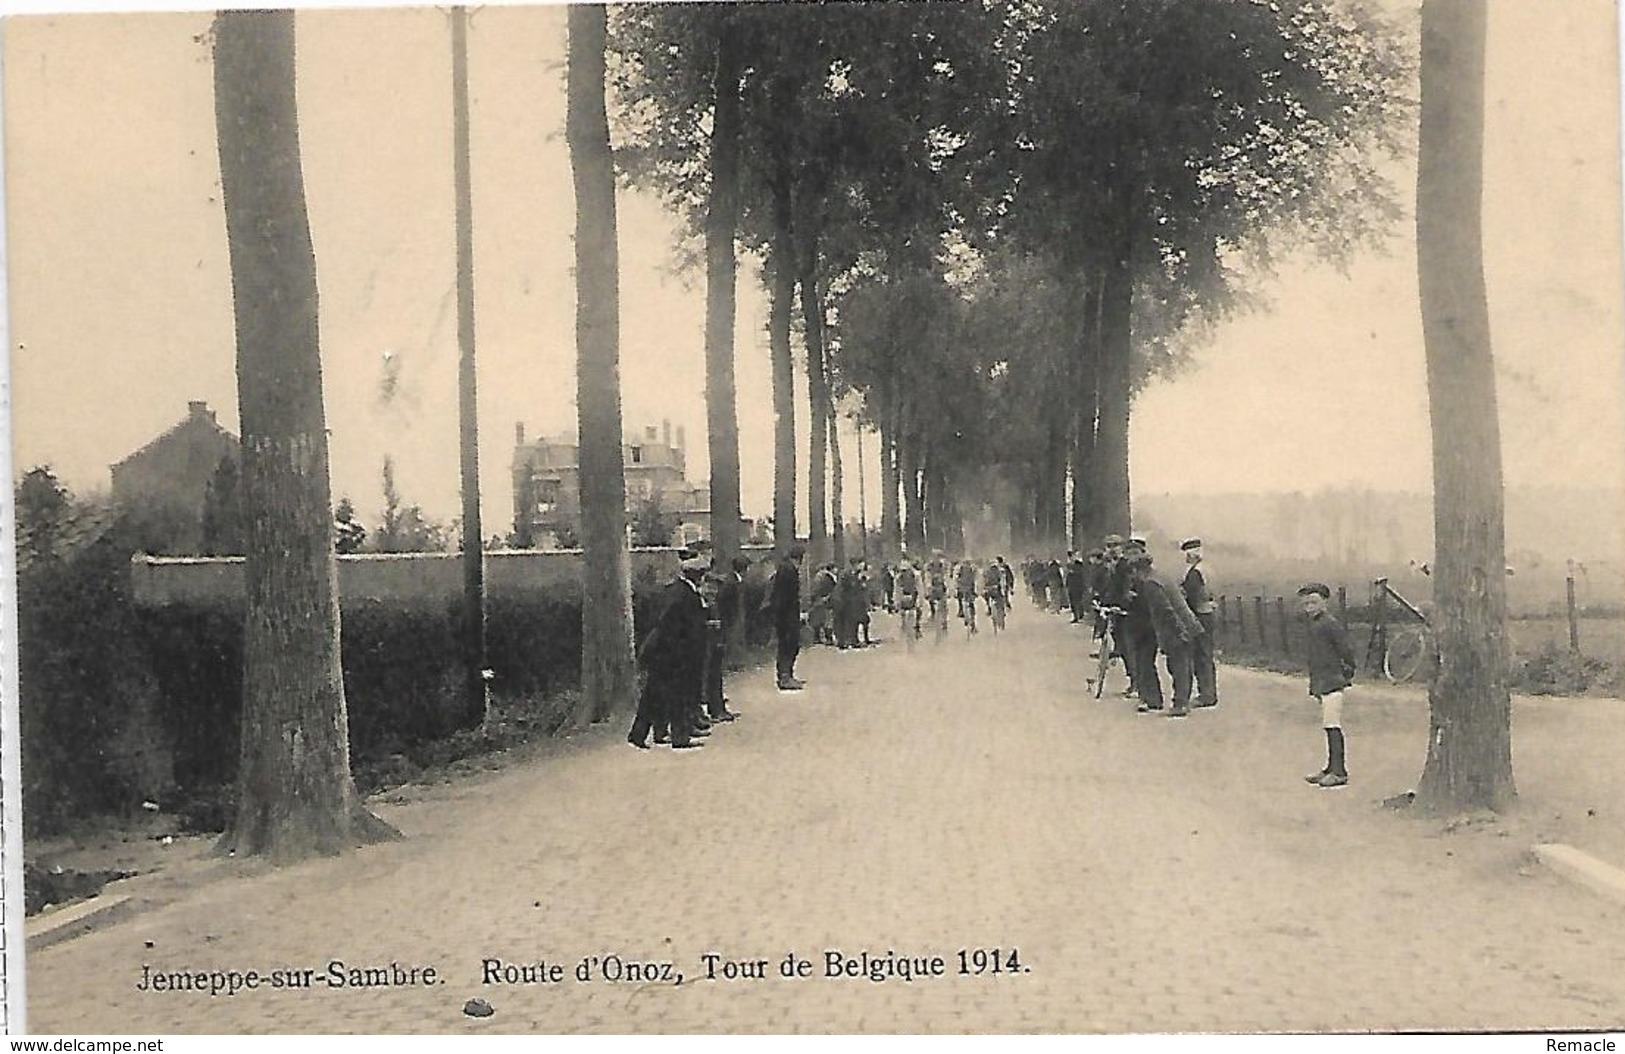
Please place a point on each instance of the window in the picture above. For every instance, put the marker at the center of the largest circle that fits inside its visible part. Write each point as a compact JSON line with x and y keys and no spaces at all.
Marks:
{"x":637,"y":455}
{"x":547,"y":495}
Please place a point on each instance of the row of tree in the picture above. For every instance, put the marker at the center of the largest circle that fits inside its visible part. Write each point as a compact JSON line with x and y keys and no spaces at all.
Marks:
{"x":1000,"y":218}
{"x":997,"y":218}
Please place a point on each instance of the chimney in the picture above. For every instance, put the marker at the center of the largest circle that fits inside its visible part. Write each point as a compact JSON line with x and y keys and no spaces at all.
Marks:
{"x":665,"y":426}
{"x":200,"y":409}
{"x":519,"y":433}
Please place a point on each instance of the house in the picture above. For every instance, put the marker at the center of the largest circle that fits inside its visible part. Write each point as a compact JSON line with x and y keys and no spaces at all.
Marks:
{"x":164,"y":483}
{"x":547,"y":484}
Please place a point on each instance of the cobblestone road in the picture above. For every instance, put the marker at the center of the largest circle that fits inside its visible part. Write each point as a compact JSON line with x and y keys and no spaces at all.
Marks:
{"x":1154,"y":875}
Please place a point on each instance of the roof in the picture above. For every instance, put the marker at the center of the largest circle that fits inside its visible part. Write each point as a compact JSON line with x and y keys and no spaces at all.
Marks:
{"x":171,"y":432}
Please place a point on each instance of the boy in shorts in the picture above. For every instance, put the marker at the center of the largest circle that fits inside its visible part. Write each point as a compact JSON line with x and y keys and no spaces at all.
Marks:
{"x":1331,"y":670}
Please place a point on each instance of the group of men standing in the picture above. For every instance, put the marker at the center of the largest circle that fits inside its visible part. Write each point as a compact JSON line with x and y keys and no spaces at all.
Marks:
{"x":1140,"y":611}
{"x":683,"y":656}
{"x":838,"y":613}
{"x":1147,"y":612}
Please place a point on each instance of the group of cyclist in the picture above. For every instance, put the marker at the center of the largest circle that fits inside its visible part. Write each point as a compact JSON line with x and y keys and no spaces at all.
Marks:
{"x":920,"y":593}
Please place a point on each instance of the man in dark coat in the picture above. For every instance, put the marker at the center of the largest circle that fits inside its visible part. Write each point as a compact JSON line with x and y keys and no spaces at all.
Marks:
{"x":784,"y":606}
{"x":1175,"y":631}
{"x":1077,"y":585}
{"x":673,"y":658}
{"x":1200,"y":599}
{"x":730,"y":592}
{"x":1119,"y":593}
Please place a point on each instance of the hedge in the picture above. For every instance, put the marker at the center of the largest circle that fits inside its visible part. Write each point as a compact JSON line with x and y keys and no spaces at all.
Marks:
{"x":121,"y":705}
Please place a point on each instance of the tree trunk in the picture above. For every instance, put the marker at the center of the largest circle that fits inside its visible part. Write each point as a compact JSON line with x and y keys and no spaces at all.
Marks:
{"x":296,"y":797}
{"x":891,"y":530}
{"x":1109,"y":484}
{"x":721,"y":224}
{"x":863,"y":494}
{"x":837,"y":492}
{"x":1469,"y":761}
{"x":474,"y":652}
{"x":608,"y":676}
{"x":1086,"y":528}
{"x":781,"y":294}
{"x":818,"y":399}
{"x":908,"y":445}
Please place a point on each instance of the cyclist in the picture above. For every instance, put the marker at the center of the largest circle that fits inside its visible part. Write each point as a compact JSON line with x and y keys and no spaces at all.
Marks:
{"x":1009,"y":580}
{"x":965,"y":586}
{"x":995,"y":592}
{"x":936,"y":589}
{"x":907,"y":585}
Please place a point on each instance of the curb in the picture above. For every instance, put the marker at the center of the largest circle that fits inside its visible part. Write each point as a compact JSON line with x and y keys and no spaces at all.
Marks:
{"x":1585,"y":869}
{"x":74,"y":920}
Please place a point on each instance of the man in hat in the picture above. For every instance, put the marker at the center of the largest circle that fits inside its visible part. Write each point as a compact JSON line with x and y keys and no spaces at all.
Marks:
{"x":1137,"y":632}
{"x":673,"y":658}
{"x":1119,"y":593}
{"x":1174,"y":629}
{"x":1200,"y":600}
{"x":730,"y":598}
{"x":784,"y":605}
{"x":1077,"y":584}
{"x":1331,"y":670}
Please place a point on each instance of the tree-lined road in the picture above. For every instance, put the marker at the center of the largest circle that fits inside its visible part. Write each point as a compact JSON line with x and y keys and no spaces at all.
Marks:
{"x":1154,"y":875}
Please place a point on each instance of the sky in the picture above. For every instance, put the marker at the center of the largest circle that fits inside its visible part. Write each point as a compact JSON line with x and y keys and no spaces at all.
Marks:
{"x":120,"y":308}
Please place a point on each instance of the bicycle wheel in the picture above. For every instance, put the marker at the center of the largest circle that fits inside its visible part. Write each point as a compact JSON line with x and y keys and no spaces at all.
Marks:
{"x":1411,"y":652}
{"x":998,"y":616}
{"x":1105,"y":663}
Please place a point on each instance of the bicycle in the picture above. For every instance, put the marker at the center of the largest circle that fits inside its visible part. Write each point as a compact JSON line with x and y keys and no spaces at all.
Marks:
{"x":939,"y":618}
{"x":1105,"y":617}
{"x":1409,"y":651}
{"x":968,"y":607}
{"x":909,"y":619}
{"x":996,"y":611}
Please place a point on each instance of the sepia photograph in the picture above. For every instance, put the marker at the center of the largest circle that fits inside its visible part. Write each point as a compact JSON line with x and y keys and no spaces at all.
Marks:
{"x":964,"y":517}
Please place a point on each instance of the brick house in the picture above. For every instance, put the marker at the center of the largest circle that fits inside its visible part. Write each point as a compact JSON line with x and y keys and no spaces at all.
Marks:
{"x":165,"y":481}
{"x":547,"y":483}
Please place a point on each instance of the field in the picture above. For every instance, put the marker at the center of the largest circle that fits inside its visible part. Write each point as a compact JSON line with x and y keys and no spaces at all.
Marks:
{"x":1600,"y":638}
{"x":1537,"y":625}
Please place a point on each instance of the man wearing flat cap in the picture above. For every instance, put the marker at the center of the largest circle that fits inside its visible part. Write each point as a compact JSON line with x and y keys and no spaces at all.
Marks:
{"x":1116,"y":591}
{"x":783,"y":603}
{"x":1173,"y":629}
{"x":1200,"y":600}
{"x":673,"y":659}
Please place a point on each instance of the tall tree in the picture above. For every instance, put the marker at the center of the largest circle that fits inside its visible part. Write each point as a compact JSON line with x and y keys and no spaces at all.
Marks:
{"x":721,"y":266}
{"x":295,"y":793}
{"x":1469,"y":760}
{"x":818,"y":402}
{"x":781,"y":295}
{"x":837,"y":490}
{"x":474,"y":656}
{"x":608,"y":676}
{"x":1165,"y":142}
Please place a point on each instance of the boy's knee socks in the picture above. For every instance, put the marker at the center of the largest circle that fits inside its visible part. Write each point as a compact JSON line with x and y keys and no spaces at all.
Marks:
{"x":1335,"y":761}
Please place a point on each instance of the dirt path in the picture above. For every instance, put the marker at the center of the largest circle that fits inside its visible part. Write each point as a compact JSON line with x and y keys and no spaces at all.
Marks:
{"x":1151,"y":874}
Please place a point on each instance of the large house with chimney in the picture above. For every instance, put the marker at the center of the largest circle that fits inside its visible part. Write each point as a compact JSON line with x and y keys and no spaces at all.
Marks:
{"x":165,"y":482}
{"x":547,"y":486}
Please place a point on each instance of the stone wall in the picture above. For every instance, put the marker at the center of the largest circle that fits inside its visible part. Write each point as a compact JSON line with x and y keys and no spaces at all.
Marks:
{"x":417,"y":578}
